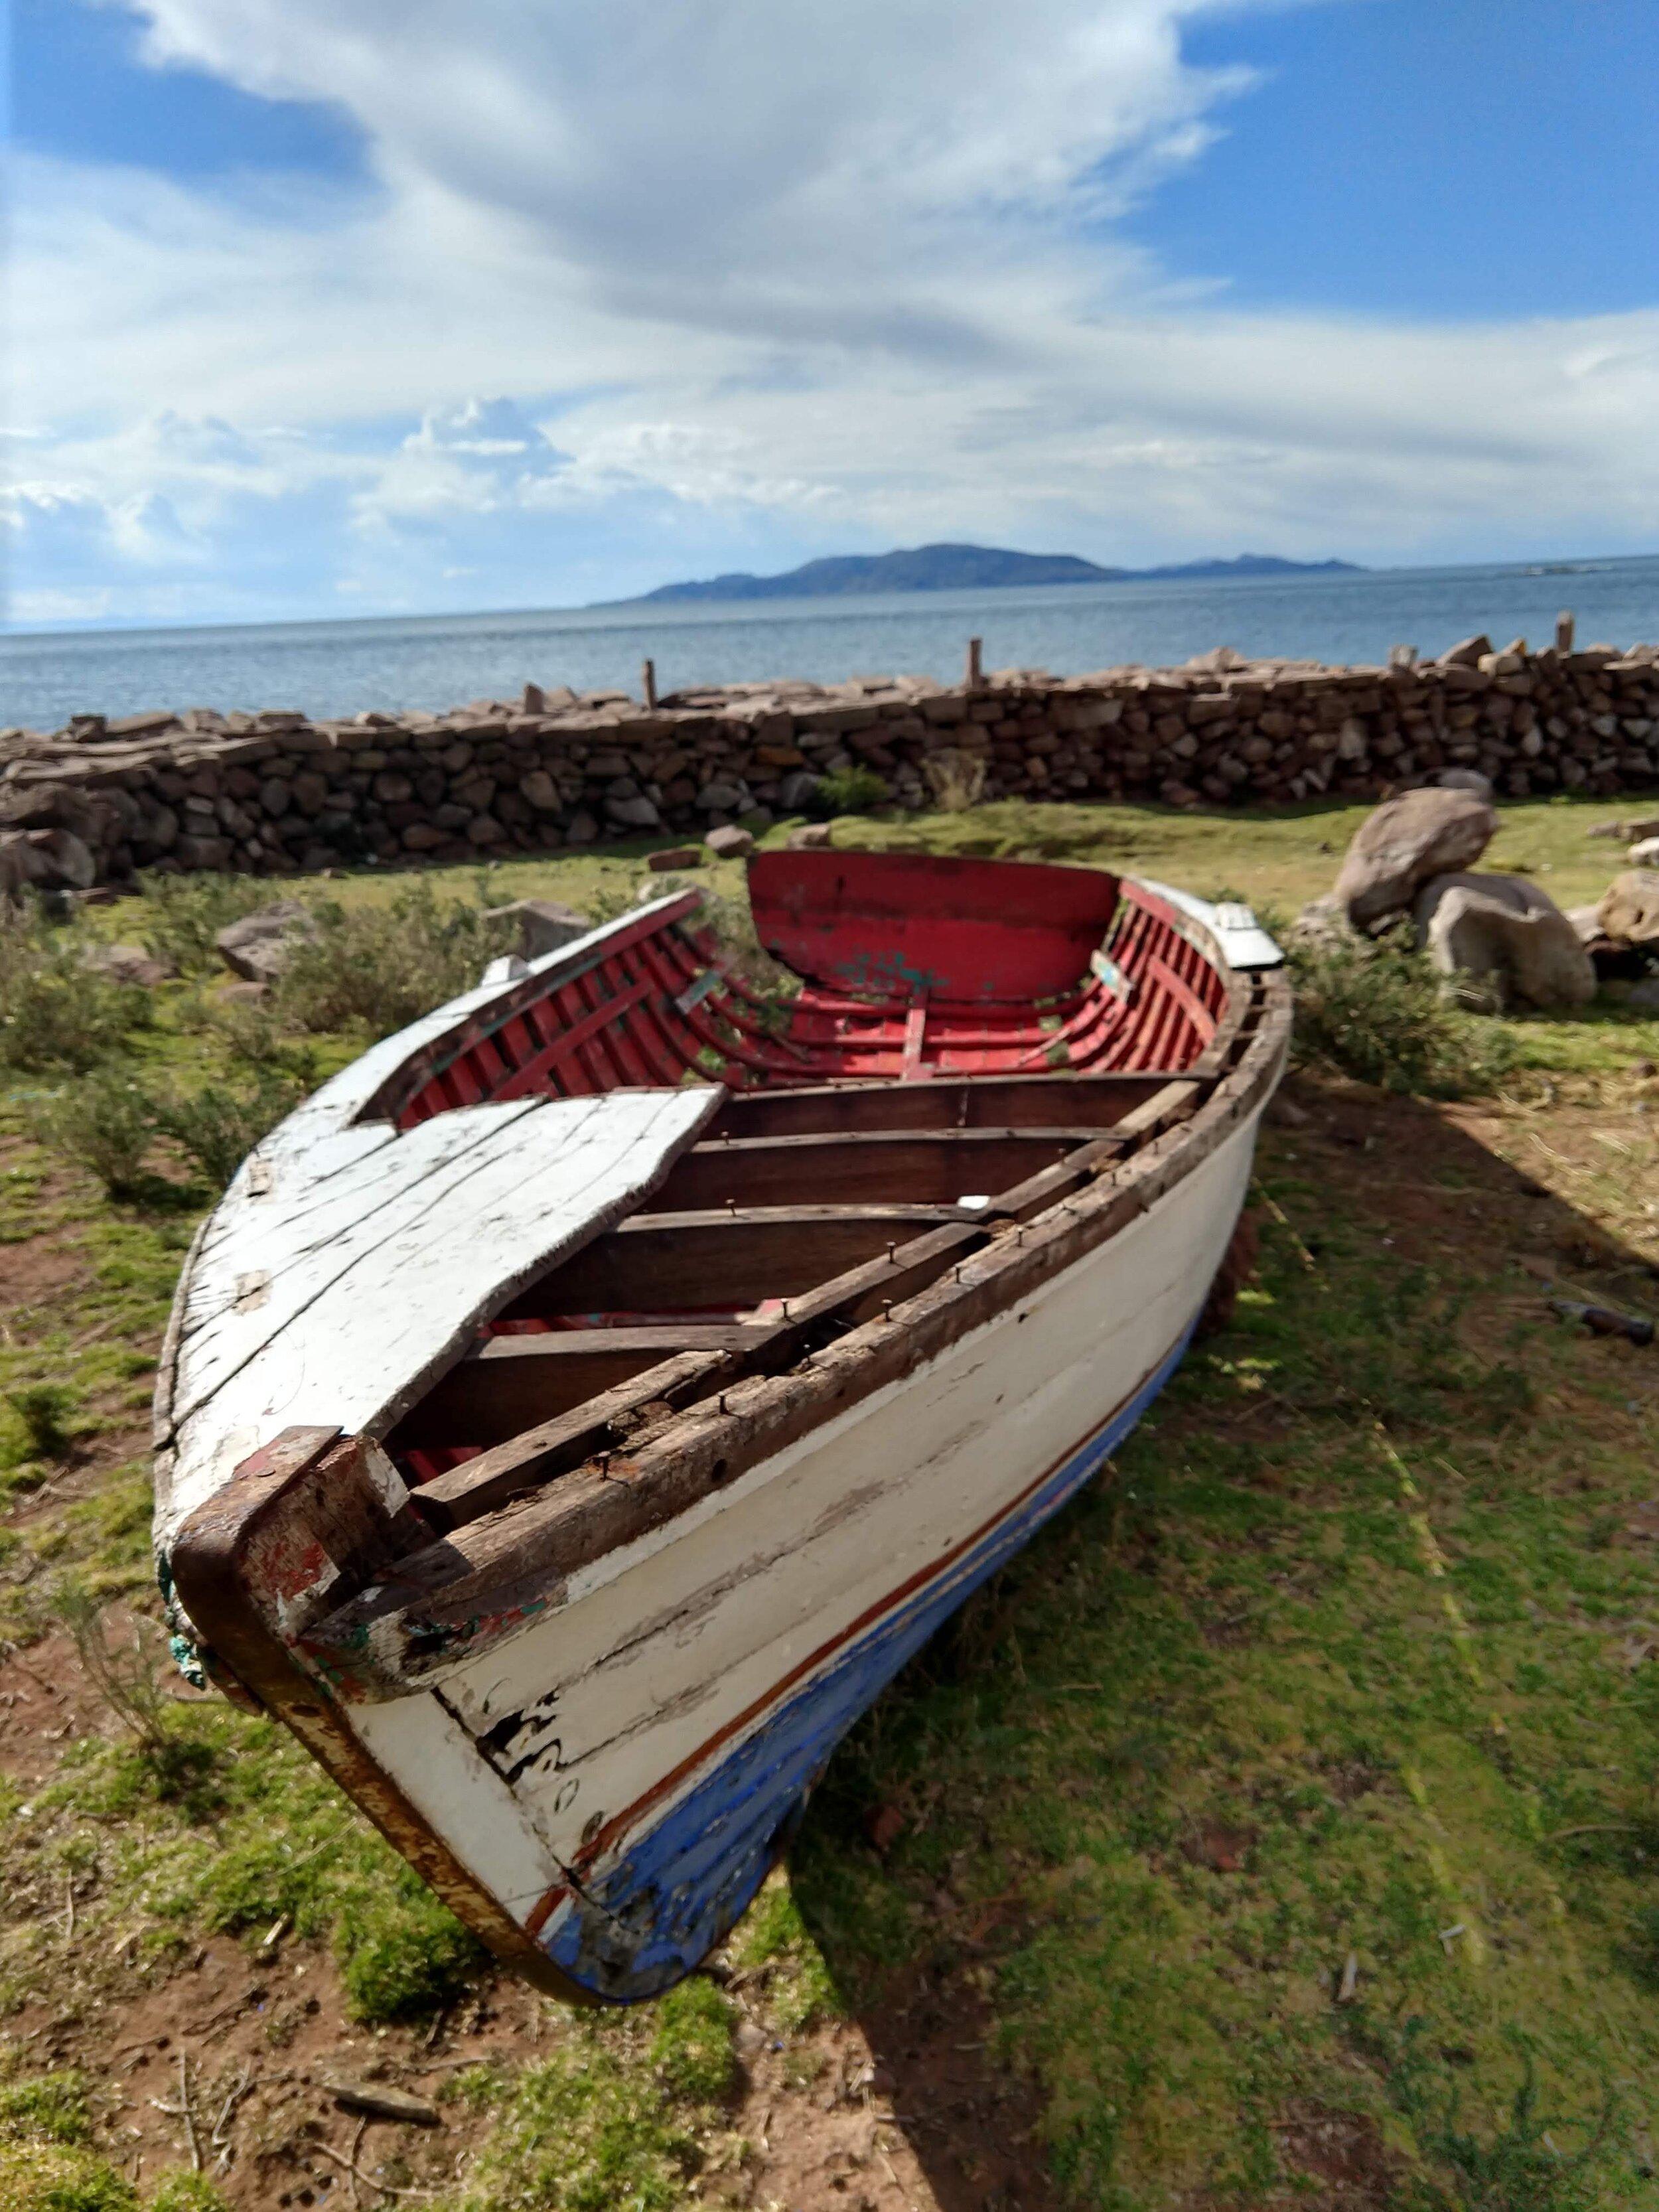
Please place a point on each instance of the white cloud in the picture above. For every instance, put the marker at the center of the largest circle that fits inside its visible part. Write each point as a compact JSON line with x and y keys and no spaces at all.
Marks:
{"x":639,"y":291}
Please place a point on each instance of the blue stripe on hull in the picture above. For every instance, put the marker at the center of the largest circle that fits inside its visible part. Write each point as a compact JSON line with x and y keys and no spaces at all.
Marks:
{"x":653,"y":1917}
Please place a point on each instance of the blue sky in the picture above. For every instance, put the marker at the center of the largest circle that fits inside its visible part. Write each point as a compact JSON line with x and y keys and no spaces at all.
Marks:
{"x":363,"y":306}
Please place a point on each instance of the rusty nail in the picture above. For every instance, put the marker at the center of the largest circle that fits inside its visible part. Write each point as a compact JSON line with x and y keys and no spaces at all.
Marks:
{"x":722,"y":1402}
{"x":891,"y":1250}
{"x":784,"y":1303}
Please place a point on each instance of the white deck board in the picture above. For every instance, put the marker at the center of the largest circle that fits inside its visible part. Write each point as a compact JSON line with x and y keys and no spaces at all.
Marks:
{"x":349,"y":1262}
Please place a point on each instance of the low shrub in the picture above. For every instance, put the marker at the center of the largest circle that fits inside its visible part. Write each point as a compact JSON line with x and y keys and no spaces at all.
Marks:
{"x":847,"y":791}
{"x":54,"y":1012}
{"x":181,"y":915}
{"x":581,"y":2132}
{"x":42,"y":1412}
{"x":692,"y":2049}
{"x":1373,"y":1009}
{"x":956,"y":779}
{"x":400,"y":1952}
{"x":218,"y":1126}
{"x":104,"y":1123}
{"x":378,"y":967}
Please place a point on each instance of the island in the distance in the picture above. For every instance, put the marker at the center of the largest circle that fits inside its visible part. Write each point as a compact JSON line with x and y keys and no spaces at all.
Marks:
{"x":962,"y":568}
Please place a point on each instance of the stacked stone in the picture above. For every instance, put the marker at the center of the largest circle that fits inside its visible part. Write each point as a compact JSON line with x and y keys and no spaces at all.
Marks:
{"x":273,"y":794}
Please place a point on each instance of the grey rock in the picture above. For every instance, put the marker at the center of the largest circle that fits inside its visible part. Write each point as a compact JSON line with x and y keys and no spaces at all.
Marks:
{"x":730,"y":843}
{"x":796,"y":789}
{"x":1629,"y":907}
{"x":20,"y":863}
{"x":634,"y":814}
{"x":810,"y":838}
{"x":1323,"y":925}
{"x":1587,"y":920}
{"x":128,"y":964}
{"x":583,"y":829}
{"x":1644,"y":996}
{"x":1644,"y":853}
{"x":259,"y":946}
{"x":543,"y":925}
{"x":1398,"y":849}
{"x":1465,"y":779}
{"x":540,"y":790}
{"x":1467,"y":653}
{"x":484,"y":830}
{"x":1504,"y":940}
{"x":719,"y":796}
{"x":68,"y":865}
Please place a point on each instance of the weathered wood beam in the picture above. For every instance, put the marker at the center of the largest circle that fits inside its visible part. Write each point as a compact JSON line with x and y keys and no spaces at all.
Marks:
{"x":715,"y":1261}
{"x":511,"y":1383}
{"x":935,"y":1167}
{"x":1000,"y":1102}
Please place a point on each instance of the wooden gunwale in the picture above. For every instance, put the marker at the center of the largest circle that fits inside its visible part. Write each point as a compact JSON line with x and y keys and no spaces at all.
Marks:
{"x":486,"y":1566}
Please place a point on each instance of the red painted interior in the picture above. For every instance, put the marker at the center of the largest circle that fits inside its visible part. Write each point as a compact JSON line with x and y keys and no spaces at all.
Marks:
{"x":914,"y":968}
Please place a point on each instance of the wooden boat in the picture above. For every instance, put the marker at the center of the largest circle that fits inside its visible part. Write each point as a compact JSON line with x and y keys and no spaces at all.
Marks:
{"x":577,"y":1411}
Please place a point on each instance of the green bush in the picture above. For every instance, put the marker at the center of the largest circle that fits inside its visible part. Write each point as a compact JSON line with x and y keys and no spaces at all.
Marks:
{"x":847,"y":791}
{"x":55,"y":1013}
{"x":400,"y":1952}
{"x":379,"y":967}
{"x":217,"y":1127}
{"x":1373,"y":1009}
{"x":581,"y":2132}
{"x":181,"y":915}
{"x":42,"y":1412}
{"x":46,"y":2177}
{"x":52,"y":2107}
{"x":692,"y":2049}
{"x":104,"y":1123}
{"x":186,"y":2192}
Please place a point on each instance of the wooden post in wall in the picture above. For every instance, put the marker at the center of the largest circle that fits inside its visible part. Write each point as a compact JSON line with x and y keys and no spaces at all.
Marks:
{"x":976,"y":673}
{"x":1564,"y":627}
{"x":648,"y":683}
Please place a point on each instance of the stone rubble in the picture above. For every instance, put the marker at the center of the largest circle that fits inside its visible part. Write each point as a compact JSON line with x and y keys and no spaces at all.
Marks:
{"x":273,"y":794}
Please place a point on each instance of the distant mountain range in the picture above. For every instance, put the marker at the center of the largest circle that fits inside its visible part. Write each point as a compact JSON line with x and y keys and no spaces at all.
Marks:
{"x":960,"y":567}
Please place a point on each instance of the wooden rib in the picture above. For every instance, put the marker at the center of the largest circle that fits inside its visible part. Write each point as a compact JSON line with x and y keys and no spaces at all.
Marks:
{"x":483,"y":1485}
{"x":932,"y":1167}
{"x":664,"y":1262}
{"x":983,"y":1102}
{"x":512,"y":1383}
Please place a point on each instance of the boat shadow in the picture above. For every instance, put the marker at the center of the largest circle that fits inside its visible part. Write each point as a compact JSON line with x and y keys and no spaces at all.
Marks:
{"x":935,"y":1868}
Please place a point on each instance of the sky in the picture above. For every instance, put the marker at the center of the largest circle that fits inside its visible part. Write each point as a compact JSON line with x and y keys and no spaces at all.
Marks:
{"x":347,"y":307}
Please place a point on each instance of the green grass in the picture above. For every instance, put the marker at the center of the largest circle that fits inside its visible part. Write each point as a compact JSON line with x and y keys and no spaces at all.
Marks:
{"x":1149,"y":1851}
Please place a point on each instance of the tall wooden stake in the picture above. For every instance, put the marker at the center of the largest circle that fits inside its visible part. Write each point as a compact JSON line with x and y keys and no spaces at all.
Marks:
{"x":1564,"y":627}
{"x":976,"y":673}
{"x":648,"y":683}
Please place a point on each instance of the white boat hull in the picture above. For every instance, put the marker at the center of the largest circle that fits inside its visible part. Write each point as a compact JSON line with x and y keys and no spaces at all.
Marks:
{"x":682,"y":1696}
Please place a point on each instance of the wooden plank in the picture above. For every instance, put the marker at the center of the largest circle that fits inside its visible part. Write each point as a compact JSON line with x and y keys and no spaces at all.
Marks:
{"x":351,"y":1328}
{"x":511,"y":1383}
{"x":999,"y":1101}
{"x":481,"y":1485}
{"x":664,"y":1262}
{"x":934,"y":1167}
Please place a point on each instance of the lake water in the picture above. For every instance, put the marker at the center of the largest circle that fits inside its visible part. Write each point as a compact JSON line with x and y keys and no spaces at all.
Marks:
{"x":339,"y":668}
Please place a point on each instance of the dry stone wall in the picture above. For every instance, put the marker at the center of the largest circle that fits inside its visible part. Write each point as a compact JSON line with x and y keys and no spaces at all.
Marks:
{"x":273,"y":794}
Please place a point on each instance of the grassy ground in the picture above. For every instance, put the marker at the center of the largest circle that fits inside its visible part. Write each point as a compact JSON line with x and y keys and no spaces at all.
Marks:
{"x":1280,"y":1829}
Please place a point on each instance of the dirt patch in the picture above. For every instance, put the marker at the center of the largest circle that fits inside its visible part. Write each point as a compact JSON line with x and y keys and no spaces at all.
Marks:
{"x":1344,"y":2155}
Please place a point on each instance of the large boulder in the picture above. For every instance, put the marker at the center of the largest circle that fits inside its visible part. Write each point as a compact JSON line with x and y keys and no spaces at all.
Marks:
{"x":260,"y":945}
{"x":1399,"y":847}
{"x":543,"y":925}
{"x":1504,"y":941}
{"x":1629,"y":907}
{"x":128,"y":964}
